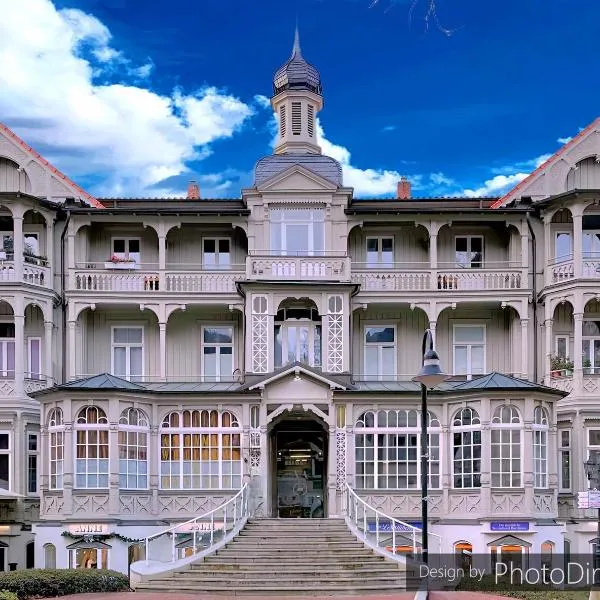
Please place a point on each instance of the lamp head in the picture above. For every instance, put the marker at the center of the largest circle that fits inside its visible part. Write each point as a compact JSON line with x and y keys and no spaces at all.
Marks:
{"x":431,"y":373}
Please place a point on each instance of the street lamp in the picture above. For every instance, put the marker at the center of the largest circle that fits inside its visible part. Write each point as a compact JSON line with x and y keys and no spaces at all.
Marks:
{"x":592,"y":470}
{"x":429,"y":376}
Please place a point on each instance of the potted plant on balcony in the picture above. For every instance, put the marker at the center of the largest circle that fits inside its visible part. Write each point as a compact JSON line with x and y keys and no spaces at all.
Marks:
{"x":560,"y":366}
{"x":568,"y":367}
{"x":120,"y":262}
{"x":587,"y":366}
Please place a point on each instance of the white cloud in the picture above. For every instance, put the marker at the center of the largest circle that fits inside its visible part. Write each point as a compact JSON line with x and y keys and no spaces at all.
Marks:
{"x":129,"y":135}
{"x":262,"y":101}
{"x":496,"y":185}
{"x":564,"y":140}
{"x":441,"y":179}
{"x":388,"y":128}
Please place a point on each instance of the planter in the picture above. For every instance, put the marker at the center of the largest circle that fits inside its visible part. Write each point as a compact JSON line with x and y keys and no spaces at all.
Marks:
{"x":568,"y":372}
{"x":555,"y":374}
{"x":121,"y":265}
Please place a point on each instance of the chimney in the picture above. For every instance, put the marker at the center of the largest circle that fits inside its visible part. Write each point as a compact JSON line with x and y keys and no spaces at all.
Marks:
{"x":193,"y":192}
{"x":404,"y":189}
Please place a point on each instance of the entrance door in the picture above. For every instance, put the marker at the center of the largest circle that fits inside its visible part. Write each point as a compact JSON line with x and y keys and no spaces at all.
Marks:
{"x":299,"y":468}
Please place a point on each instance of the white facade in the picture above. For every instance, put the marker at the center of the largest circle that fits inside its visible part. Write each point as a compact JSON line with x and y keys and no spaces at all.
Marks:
{"x":165,"y":353}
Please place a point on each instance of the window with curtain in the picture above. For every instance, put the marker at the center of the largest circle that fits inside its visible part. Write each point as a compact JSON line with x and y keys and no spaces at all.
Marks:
{"x":540,"y":447}
{"x":380,"y":352}
{"x":469,"y":251}
{"x":200,"y":449}
{"x":56,"y":441}
{"x":387,"y":450}
{"x":217,"y":353}
{"x":128,"y":352}
{"x":469,"y":350}
{"x":91,"y":448}
{"x":506,"y":447}
{"x":134,"y":428}
{"x":466,"y":461}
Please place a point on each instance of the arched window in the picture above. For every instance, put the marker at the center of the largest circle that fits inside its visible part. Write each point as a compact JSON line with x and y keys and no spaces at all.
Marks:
{"x":387,"y":450}
{"x":49,"y":556}
{"x":466,"y":461}
{"x":56,"y":443}
{"x":464,"y":555}
{"x":540,"y":447}
{"x":547,"y":549}
{"x":200,"y":449}
{"x":133,"y":449}
{"x":506,"y":447}
{"x":91,"y":450}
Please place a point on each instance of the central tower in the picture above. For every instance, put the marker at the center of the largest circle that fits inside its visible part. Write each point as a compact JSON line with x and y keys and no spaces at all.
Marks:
{"x":297,"y":98}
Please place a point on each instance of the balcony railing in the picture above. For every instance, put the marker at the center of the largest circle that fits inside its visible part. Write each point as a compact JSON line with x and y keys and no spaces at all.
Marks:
{"x":33,"y":383}
{"x":35,"y":274}
{"x":96,"y":277}
{"x":418,"y":276}
{"x":264,"y":266}
{"x":564,"y":270}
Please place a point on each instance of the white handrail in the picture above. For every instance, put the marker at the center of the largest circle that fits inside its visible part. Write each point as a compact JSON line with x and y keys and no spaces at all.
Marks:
{"x":360,"y":514}
{"x":231,"y":516}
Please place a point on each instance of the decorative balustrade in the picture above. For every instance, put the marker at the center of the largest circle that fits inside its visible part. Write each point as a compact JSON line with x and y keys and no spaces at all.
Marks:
{"x":480,"y":279}
{"x":298,"y":267}
{"x":565,"y":270}
{"x":33,"y":274}
{"x":31,"y":383}
{"x":395,"y":281}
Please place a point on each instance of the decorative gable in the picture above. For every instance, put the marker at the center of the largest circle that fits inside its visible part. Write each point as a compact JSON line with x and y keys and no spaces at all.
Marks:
{"x":297,"y":179}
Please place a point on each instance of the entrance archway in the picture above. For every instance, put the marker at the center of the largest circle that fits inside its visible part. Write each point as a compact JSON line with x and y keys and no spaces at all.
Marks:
{"x":298,"y":467}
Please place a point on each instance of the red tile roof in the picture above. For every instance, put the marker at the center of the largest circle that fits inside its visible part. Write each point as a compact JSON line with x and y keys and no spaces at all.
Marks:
{"x":15,"y":138}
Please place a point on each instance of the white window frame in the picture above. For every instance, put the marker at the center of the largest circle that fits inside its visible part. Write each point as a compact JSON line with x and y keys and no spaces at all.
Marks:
{"x":589,"y":447}
{"x":512,"y":427}
{"x":56,"y":430}
{"x":125,"y":427}
{"x":87,"y":427}
{"x":379,"y":263}
{"x":9,"y":453}
{"x":126,"y":239}
{"x":593,"y":232}
{"x":203,"y":345}
{"x":379,"y":375}
{"x":469,"y":373}
{"x":568,"y":257}
{"x":7,"y":255}
{"x":462,"y":429}
{"x":469,"y":239}
{"x":540,"y":446}
{"x":33,"y":453}
{"x":312,"y":329}
{"x":276,"y":221}
{"x":114,"y":345}
{"x":73,"y":557}
{"x":31,"y":374}
{"x":564,"y":451}
{"x":567,"y":344}
{"x":217,"y":265}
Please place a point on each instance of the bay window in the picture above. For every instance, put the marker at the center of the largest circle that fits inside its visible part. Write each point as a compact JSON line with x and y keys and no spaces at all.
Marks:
{"x":540,"y":447}
{"x":91,"y":448}
{"x":128,"y":352}
{"x":466,"y":462}
{"x":297,"y":231}
{"x":591,"y":346}
{"x":217,"y":353}
{"x":134,"y":428}
{"x":469,"y":350}
{"x":380,"y":352}
{"x":506,"y":467}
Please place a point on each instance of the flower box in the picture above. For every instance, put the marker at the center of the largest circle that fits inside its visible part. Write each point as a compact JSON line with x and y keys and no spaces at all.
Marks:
{"x":121,"y":264}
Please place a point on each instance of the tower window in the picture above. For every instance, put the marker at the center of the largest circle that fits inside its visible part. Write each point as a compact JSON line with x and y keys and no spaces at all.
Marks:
{"x":311,"y":120}
{"x":296,"y":118}
{"x":282,"y":120}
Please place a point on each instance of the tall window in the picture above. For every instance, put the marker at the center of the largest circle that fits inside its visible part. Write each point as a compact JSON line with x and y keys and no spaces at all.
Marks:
{"x":506,"y":447}
{"x":563,"y":247}
{"x":380,"y":352}
{"x":34,"y":355}
{"x":216,"y":253}
{"x":469,"y":350}
{"x":297,"y":231}
{"x":469,"y":251}
{"x":540,"y":447}
{"x":5,"y":453}
{"x":561,"y":346}
{"x":32,"y":463}
{"x":217,"y":353}
{"x":126,"y":249}
{"x":133,"y":449}
{"x":564,"y":483}
{"x":591,"y":346}
{"x":7,"y":350}
{"x":128,"y":352}
{"x":200,"y":449}
{"x":57,"y":447}
{"x":591,"y":245}
{"x":466,"y":463}
{"x":380,"y":252}
{"x":387,"y":450}
{"x":593,"y":445}
{"x":91,"y":450}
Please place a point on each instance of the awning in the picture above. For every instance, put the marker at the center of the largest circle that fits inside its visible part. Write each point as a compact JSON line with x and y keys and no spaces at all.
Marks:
{"x":84,"y":545}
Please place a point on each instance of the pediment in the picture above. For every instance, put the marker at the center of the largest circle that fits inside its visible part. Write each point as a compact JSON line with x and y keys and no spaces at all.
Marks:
{"x":22,"y":169}
{"x":297,"y":373}
{"x":296,"y":179}
{"x":550,"y":178}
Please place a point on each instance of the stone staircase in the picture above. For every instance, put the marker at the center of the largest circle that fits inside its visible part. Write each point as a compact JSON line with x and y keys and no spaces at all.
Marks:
{"x":288,"y":557}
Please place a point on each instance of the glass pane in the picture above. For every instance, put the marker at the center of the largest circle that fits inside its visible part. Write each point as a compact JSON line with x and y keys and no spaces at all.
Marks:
{"x":468,"y":334}
{"x":31,"y":244}
{"x":210,"y":361}
{"x":218,"y":335}
{"x":135,"y":358}
{"x":292,"y":340}
{"x":563,"y":246}
{"x":460,"y":360}
{"x":120,"y":361}
{"x":134,"y":247}
{"x":296,"y":242}
{"x":387,"y":251}
{"x":477,"y":366}
{"x":561,"y":347}
{"x":379,"y":334}
{"x":388,"y":362}
{"x":371,"y":360}
{"x":318,"y":244}
{"x":119,"y":246}
{"x":226,"y":362}
{"x":304,"y":348}
{"x":34,"y":357}
{"x":278,"y":348}
{"x":275,"y":235}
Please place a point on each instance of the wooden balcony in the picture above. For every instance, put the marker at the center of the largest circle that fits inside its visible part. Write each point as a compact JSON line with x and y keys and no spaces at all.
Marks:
{"x":314,"y":268}
{"x":565,"y":270}
{"x":34,"y":274}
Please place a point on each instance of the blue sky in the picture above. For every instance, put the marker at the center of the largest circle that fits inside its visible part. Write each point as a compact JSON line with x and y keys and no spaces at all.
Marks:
{"x":136,"y":98}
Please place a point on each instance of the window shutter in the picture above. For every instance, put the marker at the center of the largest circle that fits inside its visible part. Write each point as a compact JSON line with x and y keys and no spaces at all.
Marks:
{"x":311,"y":120}
{"x":296,"y":118}
{"x":282,"y":120}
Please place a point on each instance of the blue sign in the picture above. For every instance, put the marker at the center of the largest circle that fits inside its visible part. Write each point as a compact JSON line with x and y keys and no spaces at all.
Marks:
{"x":509,"y":526}
{"x":386,"y":526}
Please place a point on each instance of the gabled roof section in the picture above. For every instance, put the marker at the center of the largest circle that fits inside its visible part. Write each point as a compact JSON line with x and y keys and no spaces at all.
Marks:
{"x":497,"y":381}
{"x":526,"y":187}
{"x":324,"y":166}
{"x":296,"y":369}
{"x":104,"y":381}
{"x":25,"y":156}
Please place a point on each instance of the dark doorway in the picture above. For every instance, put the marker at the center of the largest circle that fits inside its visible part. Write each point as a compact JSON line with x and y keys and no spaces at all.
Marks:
{"x":30,"y":555}
{"x":299,"y":468}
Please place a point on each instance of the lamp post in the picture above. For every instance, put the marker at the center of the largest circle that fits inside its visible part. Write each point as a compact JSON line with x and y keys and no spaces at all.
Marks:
{"x":592,"y":470}
{"x":429,"y":376}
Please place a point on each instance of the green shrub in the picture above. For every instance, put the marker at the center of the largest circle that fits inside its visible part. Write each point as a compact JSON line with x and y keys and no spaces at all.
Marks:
{"x":46,"y":583}
{"x":4,"y":595}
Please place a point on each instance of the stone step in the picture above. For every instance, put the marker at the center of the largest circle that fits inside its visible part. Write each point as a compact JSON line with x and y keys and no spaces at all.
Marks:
{"x":294,"y":544}
{"x":308,"y":569}
{"x":285,"y":582}
{"x":304,"y":561}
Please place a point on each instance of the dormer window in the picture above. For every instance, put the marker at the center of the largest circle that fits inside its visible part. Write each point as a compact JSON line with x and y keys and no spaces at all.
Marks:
{"x":297,"y":232}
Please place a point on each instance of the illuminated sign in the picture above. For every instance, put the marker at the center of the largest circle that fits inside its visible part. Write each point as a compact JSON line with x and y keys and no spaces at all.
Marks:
{"x":88,"y":528}
{"x":201,"y":526}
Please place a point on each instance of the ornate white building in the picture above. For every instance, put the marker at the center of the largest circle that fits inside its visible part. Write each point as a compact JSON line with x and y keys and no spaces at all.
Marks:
{"x":155,"y":354}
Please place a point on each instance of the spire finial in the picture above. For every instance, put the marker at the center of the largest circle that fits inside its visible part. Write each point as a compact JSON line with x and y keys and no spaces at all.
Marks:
{"x":296,"y":50}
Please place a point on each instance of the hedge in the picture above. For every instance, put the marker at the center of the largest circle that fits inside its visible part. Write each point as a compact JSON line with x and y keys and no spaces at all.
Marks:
{"x":47,"y":583}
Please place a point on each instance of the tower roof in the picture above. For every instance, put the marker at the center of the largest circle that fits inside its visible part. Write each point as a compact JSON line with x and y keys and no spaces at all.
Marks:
{"x":296,"y":73}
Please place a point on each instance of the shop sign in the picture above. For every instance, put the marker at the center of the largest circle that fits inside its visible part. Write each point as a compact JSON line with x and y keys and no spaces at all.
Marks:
{"x":201,"y":526}
{"x":385,"y":526}
{"x":88,"y":528}
{"x":509,"y":526}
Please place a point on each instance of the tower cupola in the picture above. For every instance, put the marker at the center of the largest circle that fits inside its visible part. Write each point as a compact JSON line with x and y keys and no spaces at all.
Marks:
{"x":297,"y":98}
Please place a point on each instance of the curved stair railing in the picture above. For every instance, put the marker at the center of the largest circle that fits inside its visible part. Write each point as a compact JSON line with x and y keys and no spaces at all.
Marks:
{"x":387,"y":535}
{"x":186,"y":542}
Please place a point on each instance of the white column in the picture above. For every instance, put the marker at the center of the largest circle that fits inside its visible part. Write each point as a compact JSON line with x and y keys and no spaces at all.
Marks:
{"x":332,"y":503}
{"x":524,"y":348}
{"x":71,"y":260}
{"x":548,"y":251}
{"x":19,"y":318}
{"x":19,"y":452}
{"x":162,"y":342}
{"x":577,"y":351}
{"x":162,"y":261}
{"x":48,"y":370}
{"x":18,"y":247}
{"x":524,"y":247}
{"x":432,"y":326}
{"x":50,"y":252}
{"x":71,"y":350}
{"x":577,"y":244}
{"x":548,"y":350}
